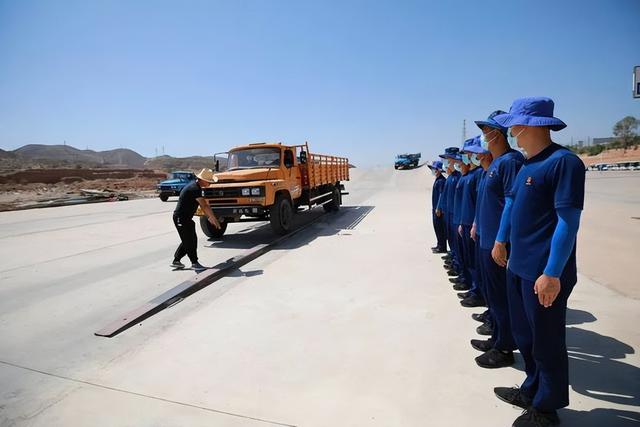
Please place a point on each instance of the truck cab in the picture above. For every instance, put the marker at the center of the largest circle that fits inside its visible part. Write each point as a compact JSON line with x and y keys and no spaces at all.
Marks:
{"x":173,"y":185}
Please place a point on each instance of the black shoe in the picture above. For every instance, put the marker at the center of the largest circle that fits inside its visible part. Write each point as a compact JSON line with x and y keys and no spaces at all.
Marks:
{"x":495,"y":358}
{"x":513,"y":396}
{"x":482,"y":345}
{"x":473,"y":301}
{"x":465,"y":295}
{"x":177,"y":265}
{"x":447,"y":256}
{"x":481,"y":317}
{"x":461,"y":287}
{"x":197,"y":267}
{"x":440,"y":251}
{"x":533,"y":418}
{"x":453,"y":272}
{"x":485,"y":329}
{"x":457,"y":280}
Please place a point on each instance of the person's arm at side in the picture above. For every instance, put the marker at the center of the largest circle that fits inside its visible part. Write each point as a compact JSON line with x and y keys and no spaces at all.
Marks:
{"x":499,"y":251}
{"x":207,"y":210}
{"x":547,"y":287}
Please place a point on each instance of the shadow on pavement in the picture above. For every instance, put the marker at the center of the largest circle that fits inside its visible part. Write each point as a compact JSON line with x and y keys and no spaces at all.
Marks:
{"x":595,"y":372}
{"x":599,"y":417}
{"x":330,"y":224}
{"x":577,"y":317}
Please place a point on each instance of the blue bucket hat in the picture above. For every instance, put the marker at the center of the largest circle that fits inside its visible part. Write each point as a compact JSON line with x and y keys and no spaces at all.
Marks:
{"x":436,"y":165}
{"x":535,"y":111}
{"x":473,"y":145}
{"x":490,"y":122}
{"x":451,"y":153}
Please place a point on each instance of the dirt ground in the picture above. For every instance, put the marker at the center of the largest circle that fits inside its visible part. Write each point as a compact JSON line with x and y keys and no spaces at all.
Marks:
{"x":38,"y":188}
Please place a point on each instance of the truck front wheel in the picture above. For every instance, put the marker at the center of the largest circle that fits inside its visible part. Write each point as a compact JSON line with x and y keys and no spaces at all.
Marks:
{"x":210,"y":231}
{"x":281,"y":216}
{"x":164,"y":197}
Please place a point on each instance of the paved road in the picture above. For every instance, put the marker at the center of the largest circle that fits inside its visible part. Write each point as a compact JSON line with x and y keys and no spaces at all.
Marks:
{"x":350,"y":323}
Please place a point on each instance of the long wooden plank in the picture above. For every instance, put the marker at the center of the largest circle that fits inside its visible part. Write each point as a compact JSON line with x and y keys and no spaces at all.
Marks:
{"x":193,"y":285}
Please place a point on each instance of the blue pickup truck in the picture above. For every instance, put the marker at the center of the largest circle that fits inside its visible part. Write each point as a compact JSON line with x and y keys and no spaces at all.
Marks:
{"x":173,"y":185}
{"x":407,"y":161}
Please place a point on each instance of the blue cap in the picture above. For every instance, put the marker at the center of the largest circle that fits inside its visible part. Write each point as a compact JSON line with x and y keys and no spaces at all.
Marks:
{"x":451,"y":153}
{"x":490,"y":122}
{"x":437,"y":165}
{"x":473,"y":145}
{"x":534,"y":111}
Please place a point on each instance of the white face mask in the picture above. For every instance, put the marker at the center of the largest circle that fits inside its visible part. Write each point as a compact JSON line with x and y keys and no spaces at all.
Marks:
{"x":513,"y":141}
{"x":475,"y":160}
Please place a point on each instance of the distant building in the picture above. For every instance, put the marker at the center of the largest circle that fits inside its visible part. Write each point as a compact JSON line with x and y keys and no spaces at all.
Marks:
{"x":603,"y":141}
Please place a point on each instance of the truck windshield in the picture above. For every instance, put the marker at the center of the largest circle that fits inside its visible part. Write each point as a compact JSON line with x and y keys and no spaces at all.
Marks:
{"x":254,"y":158}
{"x":182,"y":176}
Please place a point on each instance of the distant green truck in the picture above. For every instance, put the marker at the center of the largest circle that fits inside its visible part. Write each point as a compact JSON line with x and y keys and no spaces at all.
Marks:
{"x":407,"y":161}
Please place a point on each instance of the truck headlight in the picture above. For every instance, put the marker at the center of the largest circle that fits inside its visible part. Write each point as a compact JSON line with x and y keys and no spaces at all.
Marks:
{"x":255,"y":191}
{"x":246,"y":191}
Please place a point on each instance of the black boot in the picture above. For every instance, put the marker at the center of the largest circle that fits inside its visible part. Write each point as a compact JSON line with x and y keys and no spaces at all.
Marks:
{"x":495,"y":358}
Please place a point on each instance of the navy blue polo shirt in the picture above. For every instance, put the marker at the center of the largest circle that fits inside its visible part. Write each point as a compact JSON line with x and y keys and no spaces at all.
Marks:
{"x":470,"y":196}
{"x":449,"y":192}
{"x":438,"y":188}
{"x":498,"y":184}
{"x":479,"y":196}
{"x":551,"y":180}
{"x":457,"y":203}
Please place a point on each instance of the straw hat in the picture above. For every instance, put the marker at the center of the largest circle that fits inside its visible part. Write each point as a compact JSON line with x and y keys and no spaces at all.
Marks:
{"x":205,"y":175}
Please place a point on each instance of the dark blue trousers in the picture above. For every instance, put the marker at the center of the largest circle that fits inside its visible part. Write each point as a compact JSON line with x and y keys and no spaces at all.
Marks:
{"x":495,"y":281}
{"x":452,"y":237}
{"x":540,"y":335}
{"x":477,"y":272}
{"x":440,"y":229}
{"x":469,"y":259}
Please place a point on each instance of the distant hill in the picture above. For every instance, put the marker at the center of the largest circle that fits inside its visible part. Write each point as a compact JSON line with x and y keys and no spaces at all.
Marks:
{"x":168,"y":163}
{"x":69,"y":155}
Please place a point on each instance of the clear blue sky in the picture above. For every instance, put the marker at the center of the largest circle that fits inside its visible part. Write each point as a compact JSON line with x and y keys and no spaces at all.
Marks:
{"x":365,"y":79}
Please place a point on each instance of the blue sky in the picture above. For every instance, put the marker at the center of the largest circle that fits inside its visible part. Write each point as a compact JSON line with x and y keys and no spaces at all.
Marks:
{"x":364,"y":79}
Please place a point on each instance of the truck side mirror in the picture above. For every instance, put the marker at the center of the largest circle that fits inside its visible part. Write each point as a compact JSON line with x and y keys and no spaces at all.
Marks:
{"x":303,"y":157}
{"x":288,"y":159}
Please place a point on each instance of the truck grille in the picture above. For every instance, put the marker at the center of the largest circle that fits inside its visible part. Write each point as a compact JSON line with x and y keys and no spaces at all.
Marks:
{"x":215,"y":193}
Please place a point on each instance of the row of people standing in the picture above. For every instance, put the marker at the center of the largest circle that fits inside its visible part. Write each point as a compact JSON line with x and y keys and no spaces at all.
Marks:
{"x":506,"y":218}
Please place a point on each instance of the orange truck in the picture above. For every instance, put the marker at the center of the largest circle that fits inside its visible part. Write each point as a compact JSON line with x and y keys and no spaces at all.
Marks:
{"x":271,"y":182}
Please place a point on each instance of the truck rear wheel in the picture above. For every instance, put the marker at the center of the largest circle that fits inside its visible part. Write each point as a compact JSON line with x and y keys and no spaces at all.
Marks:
{"x":336,"y":201}
{"x":164,"y":197}
{"x":210,"y":231}
{"x":281,"y":215}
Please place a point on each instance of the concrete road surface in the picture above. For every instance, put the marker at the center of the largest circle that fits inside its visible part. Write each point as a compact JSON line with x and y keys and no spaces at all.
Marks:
{"x":350,"y":323}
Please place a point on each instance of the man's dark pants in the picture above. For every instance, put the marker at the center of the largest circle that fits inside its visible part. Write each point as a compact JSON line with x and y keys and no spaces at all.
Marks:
{"x":441,"y":231}
{"x":540,"y":333}
{"x":494,"y":279}
{"x":189,"y":240}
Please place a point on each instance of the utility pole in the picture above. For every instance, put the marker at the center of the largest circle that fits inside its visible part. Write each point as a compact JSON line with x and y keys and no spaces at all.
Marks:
{"x":464,"y":130}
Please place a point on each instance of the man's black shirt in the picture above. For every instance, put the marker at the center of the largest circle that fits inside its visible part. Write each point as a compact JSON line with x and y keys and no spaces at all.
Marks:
{"x":187,"y":204}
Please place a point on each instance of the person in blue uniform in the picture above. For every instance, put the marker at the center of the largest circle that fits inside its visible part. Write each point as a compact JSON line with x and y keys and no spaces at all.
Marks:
{"x":540,"y":221}
{"x":498,"y":349}
{"x":474,"y":297}
{"x":438,"y":220}
{"x":465,"y":274}
{"x":446,"y":206}
{"x":482,"y":157}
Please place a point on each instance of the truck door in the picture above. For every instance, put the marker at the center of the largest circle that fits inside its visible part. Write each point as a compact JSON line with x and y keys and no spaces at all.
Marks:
{"x":292,"y":174}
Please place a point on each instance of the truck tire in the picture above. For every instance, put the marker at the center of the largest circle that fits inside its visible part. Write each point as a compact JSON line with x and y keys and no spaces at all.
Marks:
{"x":210,"y":231}
{"x":164,"y":197}
{"x":281,"y":215}
{"x":334,"y":204}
